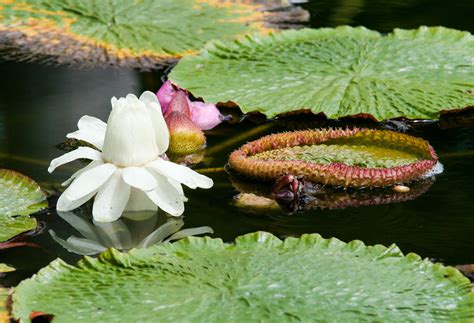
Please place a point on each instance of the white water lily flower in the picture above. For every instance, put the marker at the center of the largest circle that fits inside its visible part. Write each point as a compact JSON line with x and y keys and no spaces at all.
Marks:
{"x":126,"y":172}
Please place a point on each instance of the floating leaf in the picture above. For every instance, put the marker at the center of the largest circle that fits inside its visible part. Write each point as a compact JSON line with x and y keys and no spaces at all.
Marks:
{"x":139,"y":34}
{"x":19,"y":196}
{"x":349,"y":158}
{"x":339,"y":72}
{"x":259,"y":278}
{"x":5,"y":269}
{"x":4,"y":315}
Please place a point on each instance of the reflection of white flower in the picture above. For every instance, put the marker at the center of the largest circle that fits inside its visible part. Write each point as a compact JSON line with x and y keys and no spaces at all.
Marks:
{"x":128,"y":174}
{"x":133,"y":230}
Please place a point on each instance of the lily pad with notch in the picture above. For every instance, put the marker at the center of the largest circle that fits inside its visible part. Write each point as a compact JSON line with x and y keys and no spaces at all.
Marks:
{"x":345,"y":71}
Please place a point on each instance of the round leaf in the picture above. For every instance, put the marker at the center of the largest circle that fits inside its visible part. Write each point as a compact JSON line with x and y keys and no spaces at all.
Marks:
{"x":259,"y":278}
{"x":19,"y":196}
{"x":138,"y":34}
{"x":339,"y":72}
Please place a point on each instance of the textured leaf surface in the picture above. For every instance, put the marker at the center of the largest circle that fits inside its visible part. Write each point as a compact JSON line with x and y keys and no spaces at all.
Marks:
{"x":259,"y":278}
{"x":337,"y":157}
{"x":340,"y":72}
{"x":139,"y":33}
{"x":19,"y":196}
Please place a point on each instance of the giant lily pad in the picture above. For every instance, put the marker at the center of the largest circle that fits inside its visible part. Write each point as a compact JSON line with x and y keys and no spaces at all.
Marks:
{"x":19,"y":197}
{"x":259,"y":278}
{"x":339,"y":72}
{"x":349,"y":158}
{"x":139,"y":34}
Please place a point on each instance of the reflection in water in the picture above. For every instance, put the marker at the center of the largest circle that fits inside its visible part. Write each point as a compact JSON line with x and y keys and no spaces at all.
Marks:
{"x":134,"y":230}
{"x":258,"y":197}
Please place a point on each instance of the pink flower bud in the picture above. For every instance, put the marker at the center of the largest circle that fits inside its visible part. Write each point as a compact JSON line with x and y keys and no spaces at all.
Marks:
{"x":165,"y":95}
{"x":180,"y":104}
{"x":205,"y":115}
{"x":185,"y":136}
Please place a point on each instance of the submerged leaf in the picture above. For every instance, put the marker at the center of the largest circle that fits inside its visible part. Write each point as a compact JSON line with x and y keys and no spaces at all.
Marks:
{"x":339,"y":72}
{"x":140,"y":34}
{"x":19,"y":197}
{"x":259,"y":278}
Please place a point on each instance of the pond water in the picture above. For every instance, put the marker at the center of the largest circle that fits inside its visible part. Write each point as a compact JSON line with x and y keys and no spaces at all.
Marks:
{"x":40,"y":104}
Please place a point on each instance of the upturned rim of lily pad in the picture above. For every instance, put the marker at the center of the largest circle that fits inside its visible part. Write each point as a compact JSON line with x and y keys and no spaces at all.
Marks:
{"x":334,"y":173}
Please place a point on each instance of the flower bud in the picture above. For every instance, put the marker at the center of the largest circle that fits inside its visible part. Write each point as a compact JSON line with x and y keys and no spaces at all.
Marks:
{"x":185,"y":136}
{"x":130,"y":136}
{"x":205,"y":115}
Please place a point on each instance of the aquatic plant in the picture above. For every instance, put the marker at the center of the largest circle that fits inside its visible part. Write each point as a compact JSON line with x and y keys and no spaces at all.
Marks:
{"x":259,"y":278}
{"x":19,"y":197}
{"x":143,"y":35}
{"x":417,"y":74}
{"x":205,"y":115}
{"x":130,"y":172}
{"x":336,"y":157}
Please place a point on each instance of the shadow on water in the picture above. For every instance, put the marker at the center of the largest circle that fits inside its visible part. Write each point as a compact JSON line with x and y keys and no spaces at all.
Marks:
{"x":40,"y":104}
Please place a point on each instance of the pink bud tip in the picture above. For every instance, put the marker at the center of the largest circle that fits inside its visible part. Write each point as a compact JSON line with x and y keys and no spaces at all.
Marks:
{"x":205,"y":115}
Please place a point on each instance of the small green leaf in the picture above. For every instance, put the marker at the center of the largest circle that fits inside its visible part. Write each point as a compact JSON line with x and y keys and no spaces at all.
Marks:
{"x":339,"y":72}
{"x":259,"y":278}
{"x":19,"y":197}
{"x":5,"y":268}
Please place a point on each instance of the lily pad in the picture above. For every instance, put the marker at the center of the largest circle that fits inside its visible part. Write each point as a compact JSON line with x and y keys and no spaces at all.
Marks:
{"x":259,"y":278}
{"x":336,"y":157}
{"x":4,"y":268}
{"x":4,"y":315}
{"x":139,"y":34}
{"x":19,"y":197}
{"x":345,"y":71}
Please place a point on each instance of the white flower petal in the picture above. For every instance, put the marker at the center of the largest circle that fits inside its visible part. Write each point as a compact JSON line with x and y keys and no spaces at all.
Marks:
{"x":161,"y":129}
{"x":81,"y":152}
{"x":130,"y":136}
{"x":167,"y":197}
{"x":113,"y":102}
{"x":177,"y":185}
{"x":111,"y":200}
{"x":149,"y":97}
{"x":139,"y":201}
{"x":162,"y":134}
{"x":91,"y":165}
{"x":131,"y":96}
{"x":140,"y":178}
{"x":91,"y":130}
{"x":89,"y":181}
{"x":64,"y":204}
{"x":180,"y":173}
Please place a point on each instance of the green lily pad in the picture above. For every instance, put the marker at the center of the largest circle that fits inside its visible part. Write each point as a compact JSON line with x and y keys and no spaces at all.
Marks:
{"x":19,"y":197}
{"x":4,"y":315}
{"x":4,"y":268}
{"x":141,"y":34}
{"x":259,"y":278}
{"x":339,"y":72}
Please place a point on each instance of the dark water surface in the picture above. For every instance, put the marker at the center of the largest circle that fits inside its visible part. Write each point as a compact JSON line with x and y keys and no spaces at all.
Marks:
{"x":40,"y":104}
